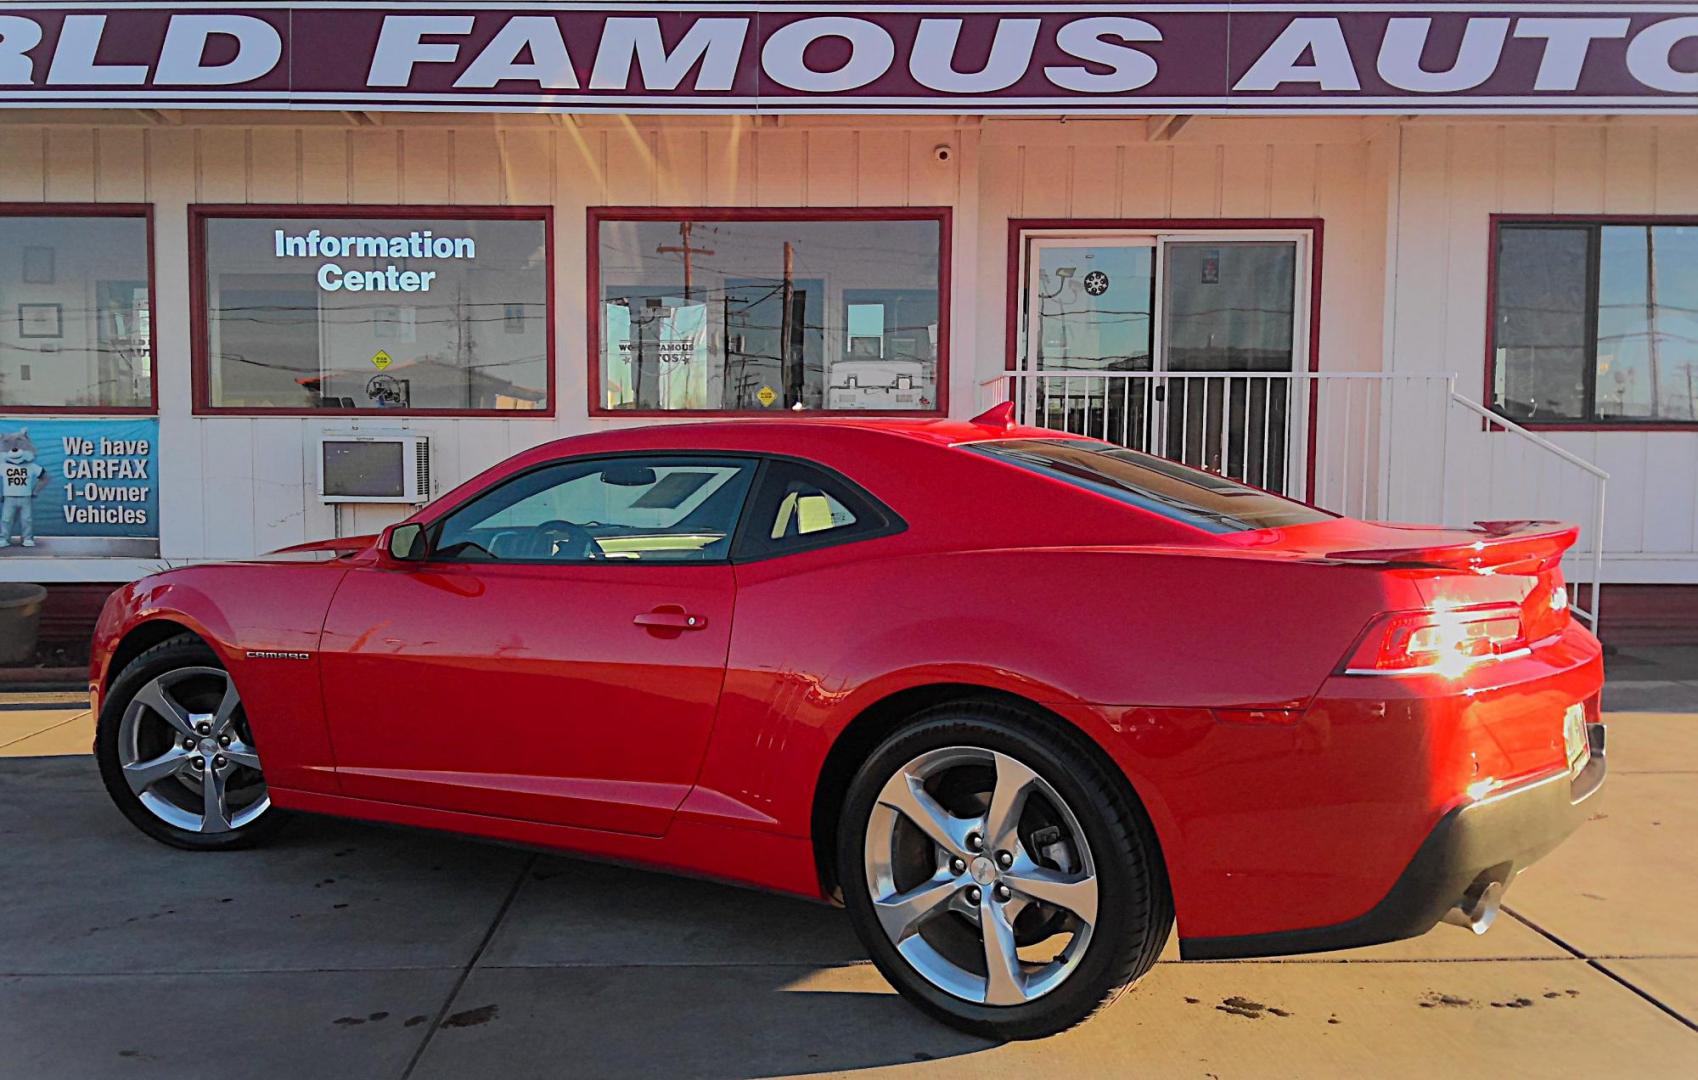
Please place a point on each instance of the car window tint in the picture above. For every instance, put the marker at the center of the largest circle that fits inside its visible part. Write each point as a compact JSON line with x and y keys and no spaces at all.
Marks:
{"x":1200,"y":499}
{"x":638,"y":508}
{"x":798,"y":506}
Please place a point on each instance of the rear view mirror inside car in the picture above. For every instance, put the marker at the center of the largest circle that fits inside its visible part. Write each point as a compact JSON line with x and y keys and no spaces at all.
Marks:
{"x":628,"y":476}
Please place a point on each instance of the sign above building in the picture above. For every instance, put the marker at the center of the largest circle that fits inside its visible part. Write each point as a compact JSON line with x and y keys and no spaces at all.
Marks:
{"x":1580,"y":56}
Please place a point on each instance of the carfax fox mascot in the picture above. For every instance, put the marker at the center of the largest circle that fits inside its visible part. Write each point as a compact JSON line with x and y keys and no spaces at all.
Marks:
{"x":24,"y":476}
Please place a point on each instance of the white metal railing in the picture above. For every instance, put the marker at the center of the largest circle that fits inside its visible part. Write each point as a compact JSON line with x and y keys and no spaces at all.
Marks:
{"x":1513,"y":485}
{"x":1383,"y":446}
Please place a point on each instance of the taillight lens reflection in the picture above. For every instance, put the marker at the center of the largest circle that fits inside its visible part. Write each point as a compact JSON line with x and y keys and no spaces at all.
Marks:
{"x":1442,"y":642}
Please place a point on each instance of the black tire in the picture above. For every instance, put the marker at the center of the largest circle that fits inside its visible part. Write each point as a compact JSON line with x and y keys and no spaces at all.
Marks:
{"x":182,"y":651}
{"x":1134,"y":907}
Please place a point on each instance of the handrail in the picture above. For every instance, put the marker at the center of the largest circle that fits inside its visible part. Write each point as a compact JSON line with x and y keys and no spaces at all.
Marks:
{"x":1498,"y":420}
{"x":1601,"y":475}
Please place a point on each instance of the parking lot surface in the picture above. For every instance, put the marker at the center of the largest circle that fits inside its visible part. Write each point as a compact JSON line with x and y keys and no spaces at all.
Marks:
{"x":348,"y":950}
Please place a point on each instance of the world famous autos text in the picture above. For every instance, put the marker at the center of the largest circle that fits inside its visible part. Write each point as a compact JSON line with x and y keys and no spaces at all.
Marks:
{"x":23,"y":478}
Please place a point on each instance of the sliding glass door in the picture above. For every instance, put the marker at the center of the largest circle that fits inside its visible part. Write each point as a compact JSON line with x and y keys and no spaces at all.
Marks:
{"x":1176,"y":344}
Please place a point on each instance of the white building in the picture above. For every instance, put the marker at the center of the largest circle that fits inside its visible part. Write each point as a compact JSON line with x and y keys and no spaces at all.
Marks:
{"x":230,"y":276}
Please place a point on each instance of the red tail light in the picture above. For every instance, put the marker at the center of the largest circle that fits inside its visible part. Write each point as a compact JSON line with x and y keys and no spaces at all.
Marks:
{"x":1441,"y":642}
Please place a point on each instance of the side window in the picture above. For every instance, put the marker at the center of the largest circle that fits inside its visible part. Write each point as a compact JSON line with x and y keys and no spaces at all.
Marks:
{"x":798,"y":506}
{"x":638,"y":508}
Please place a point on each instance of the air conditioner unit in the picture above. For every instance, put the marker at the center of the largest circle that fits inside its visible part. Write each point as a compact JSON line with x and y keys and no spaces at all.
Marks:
{"x":374,"y":468}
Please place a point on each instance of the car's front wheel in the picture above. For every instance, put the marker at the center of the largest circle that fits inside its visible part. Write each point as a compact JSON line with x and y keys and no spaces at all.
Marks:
{"x":998,"y":876}
{"x":176,"y":752}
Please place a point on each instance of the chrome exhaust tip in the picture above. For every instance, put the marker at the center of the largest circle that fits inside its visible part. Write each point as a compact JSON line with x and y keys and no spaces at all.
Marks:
{"x":1478,"y":908}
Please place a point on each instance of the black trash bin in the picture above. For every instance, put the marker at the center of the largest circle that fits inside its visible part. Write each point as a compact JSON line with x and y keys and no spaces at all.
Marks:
{"x":20,"y":619}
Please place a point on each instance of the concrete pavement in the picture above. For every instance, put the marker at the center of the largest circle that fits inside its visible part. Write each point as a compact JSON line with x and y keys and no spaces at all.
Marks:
{"x":358,"y":951}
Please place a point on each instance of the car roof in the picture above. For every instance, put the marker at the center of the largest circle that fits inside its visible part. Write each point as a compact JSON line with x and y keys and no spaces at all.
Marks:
{"x":763,"y":435}
{"x":946,"y":498}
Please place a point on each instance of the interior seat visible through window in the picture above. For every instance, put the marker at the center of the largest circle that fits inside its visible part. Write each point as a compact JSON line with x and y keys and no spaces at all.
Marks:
{"x":799,"y":506}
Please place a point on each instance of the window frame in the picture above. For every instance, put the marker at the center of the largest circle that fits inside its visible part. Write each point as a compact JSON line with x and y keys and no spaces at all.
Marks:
{"x":596,"y":215}
{"x":200,"y":321}
{"x":144,"y":211}
{"x":1595,"y":223}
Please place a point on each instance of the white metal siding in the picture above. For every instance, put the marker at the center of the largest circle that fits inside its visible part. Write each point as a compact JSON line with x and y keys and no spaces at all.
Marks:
{"x":1452,"y":177}
{"x":1405,"y":209}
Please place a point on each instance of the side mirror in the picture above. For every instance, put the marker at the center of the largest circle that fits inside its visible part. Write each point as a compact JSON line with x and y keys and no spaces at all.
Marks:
{"x":405,"y":542}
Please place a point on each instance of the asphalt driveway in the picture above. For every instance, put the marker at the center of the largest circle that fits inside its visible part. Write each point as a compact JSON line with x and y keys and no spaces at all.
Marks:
{"x":355,"y":951}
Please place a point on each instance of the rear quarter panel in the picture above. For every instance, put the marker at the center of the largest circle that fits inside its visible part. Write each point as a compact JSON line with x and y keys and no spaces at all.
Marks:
{"x":241,"y":609}
{"x":1136,"y":648}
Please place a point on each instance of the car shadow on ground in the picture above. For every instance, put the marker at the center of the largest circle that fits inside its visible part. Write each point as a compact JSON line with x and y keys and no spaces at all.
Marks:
{"x":348,"y":947}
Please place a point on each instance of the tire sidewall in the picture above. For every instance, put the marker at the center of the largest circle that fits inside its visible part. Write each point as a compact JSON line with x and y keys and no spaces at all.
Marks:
{"x":178,"y":652}
{"x":1118,"y":883}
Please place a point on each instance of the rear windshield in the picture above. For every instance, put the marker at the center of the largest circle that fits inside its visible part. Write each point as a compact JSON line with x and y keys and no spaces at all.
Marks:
{"x":1164,"y":487}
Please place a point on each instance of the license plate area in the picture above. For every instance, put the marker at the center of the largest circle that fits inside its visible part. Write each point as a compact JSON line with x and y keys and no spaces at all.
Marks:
{"x":1575,"y":744}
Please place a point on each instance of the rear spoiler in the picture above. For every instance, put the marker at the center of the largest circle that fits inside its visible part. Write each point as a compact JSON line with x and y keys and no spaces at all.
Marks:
{"x":1500,"y":546}
{"x":345,"y":545}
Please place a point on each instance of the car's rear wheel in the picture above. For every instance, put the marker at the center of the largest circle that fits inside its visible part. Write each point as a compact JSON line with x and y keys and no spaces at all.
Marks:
{"x":998,"y":876}
{"x":177,"y":754}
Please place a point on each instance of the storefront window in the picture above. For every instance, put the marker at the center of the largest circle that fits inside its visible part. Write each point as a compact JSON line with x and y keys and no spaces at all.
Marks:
{"x":376,"y":313}
{"x":754,"y":313}
{"x":1596,"y":323}
{"x":75,"y":325}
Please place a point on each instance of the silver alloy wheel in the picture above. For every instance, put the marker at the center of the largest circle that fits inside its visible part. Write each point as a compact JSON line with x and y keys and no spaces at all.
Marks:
{"x":981,"y":878}
{"x":181,"y":748}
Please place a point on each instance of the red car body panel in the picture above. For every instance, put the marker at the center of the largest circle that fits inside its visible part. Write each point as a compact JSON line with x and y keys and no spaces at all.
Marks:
{"x":521,"y":702}
{"x":526,"y":691}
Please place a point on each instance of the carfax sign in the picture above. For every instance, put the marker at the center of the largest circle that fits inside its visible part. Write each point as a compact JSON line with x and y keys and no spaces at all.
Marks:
{"x":766,"y":55}
{"x":79,"y":488}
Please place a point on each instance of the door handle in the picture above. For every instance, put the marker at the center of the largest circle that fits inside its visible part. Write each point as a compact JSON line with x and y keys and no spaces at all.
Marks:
{"x":670,"y":620}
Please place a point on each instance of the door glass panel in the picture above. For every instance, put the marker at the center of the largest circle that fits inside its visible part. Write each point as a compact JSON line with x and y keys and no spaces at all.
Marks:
{"x":1092,"y":309}
{"x":1229,"y":306}
{"x":636,"y":508}
{"x":1093,"y":306}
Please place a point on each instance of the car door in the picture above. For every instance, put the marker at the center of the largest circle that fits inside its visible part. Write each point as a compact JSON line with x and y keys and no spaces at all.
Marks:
{"x":556,"y":655}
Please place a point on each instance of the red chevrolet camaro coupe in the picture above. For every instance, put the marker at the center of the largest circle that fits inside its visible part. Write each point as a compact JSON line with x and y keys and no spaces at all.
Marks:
{"x":1018,"y":700}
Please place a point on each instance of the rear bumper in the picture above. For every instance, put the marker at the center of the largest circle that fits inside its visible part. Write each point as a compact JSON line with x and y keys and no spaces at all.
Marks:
{"x":1488,"y":840}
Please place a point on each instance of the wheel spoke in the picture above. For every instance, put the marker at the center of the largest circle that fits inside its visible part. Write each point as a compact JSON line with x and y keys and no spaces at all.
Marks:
{"x":1075,"y":894}
{"x":214,"y":816}
{"x":1008,"y":799}
{"x":141,"y":775}
{"x":227,"y":707}
{"x":162,"y":704}
{"x":907,"y":796}
{"x":1005,"y":983}
{"x":902,"y":913}
{"x":242,"y":754}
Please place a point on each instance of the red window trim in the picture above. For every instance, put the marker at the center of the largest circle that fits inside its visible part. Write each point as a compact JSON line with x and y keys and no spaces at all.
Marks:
{"x":1315,"y":227}
{"x":100,"y":210}
{"x":1496,"y":222}
{"x":943,"y":215}
{"x":199,"y":340}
